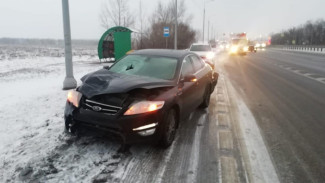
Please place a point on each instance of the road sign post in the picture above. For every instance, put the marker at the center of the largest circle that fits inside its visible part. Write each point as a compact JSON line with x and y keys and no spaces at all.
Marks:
{"x":166,"y":34}
{"x":175,"y":38}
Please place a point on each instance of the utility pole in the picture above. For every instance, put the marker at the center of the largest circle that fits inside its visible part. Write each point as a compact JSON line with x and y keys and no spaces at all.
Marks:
{"x":175,"y":38}
{"x":203,"y":20}
{"x":212,"y":32}
{"x":119,"y":13}
{"x":141,"y":24}
{"x":208,"y":30}
{"x":69,"y":81}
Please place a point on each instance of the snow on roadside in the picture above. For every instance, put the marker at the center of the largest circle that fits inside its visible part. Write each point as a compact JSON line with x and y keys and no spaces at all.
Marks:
{"x":33,"y":146}
{"x":31,"y":119}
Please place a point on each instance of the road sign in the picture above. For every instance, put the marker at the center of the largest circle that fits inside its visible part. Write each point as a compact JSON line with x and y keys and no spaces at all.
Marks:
{"x":166,"y":31}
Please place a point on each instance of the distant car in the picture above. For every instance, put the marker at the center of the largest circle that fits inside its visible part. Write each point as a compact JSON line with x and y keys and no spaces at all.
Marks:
{"x":252,"y":48}
{"x":141,"y":97}
{"x":205,"y":52}
{"x":260,"y":45}
{"x":223,"y":46}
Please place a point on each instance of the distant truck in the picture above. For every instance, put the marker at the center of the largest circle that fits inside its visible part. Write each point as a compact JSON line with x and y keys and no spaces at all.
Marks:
{"x":238,"y":44}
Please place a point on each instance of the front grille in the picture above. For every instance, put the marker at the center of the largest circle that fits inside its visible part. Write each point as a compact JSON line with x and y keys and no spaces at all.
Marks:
{"x":100,"y":107}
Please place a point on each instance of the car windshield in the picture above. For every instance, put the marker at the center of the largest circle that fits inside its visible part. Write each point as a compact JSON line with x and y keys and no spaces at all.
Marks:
{"x":149,"y":66}
{"x":200,"y":48}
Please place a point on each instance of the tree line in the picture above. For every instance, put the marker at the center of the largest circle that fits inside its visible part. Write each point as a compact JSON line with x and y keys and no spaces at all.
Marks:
{"x":56,"y":43}
{"x":310,"y":33}
{"x":150,"y":35}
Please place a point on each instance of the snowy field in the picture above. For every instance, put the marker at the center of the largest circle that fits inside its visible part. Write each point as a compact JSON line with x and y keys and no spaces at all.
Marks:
{"x":33,"y":146}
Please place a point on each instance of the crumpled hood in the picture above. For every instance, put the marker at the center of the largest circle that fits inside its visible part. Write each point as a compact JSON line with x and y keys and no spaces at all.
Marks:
{"x":105,"y":82}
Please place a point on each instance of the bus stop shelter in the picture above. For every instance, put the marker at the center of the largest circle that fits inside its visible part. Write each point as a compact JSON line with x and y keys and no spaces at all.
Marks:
{"x":114,"y":43}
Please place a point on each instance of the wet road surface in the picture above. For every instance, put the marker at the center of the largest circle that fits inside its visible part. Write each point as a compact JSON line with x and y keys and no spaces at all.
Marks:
{"x":286,"y":94}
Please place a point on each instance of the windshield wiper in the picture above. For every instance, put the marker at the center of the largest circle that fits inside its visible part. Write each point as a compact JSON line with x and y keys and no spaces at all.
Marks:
{"x":129,"y":67}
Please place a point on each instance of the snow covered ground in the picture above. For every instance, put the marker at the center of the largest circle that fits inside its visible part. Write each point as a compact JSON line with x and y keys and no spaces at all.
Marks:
{"x":31,"y":116}
{"x":33,"y":146}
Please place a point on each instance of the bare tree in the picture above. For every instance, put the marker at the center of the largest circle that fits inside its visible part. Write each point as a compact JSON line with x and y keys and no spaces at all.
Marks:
{"x":311,"y":33}
{"x":116,"y":13}
{"x":164,"y":16}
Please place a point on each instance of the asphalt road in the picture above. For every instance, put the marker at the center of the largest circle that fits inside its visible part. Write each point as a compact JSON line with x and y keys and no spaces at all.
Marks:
{"x":285,"y":91}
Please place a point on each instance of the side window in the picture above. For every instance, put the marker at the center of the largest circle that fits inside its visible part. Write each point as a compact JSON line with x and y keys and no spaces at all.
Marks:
{"x":198,"y":64}
{"x":187,"y":67}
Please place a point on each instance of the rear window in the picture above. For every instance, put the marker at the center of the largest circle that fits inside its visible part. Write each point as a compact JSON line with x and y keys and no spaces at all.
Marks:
{"x":198,"y":64}
{"x":149,"y":66}
{"x":187,"y":68}
{"x":200,"y":48}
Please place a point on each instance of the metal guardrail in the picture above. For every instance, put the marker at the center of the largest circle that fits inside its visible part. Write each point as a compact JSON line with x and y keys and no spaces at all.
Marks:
{"x":302,"y":48}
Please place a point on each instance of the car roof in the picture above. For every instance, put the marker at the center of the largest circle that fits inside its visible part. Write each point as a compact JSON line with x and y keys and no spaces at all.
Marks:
{"x":162,"y":52}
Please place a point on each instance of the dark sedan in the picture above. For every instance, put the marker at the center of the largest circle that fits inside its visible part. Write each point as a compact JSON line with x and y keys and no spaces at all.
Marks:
{"x":141,"y":97}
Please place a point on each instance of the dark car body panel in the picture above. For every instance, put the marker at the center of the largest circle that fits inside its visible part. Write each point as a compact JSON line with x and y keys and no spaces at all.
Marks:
{"x":120,"y":91}
{"x":104,"y":82}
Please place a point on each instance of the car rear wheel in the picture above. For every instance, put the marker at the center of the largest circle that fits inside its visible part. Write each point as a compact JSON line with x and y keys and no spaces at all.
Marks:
{"x":169,"y":130}
{"x":206,"y":98}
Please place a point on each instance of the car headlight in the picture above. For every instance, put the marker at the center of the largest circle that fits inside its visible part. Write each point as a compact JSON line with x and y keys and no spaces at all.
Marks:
{"x":233,"y":49}
{"x":144,"y":107}
{"x":263,"y":45}
{"x":210,"y":55}
{"x":257,"y":45}
{"x":74,"y":97}
{"x":245,"y":48}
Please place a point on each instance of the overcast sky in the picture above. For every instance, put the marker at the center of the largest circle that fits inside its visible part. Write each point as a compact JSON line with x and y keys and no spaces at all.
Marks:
{"x":43,"y":18}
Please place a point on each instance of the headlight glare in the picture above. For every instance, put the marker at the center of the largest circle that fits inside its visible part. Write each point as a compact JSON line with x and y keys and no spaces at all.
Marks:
{"x":210,"y":55}
{"x":144,"y":106}
{"x":233,"y":49}
{"x":74,"y":97}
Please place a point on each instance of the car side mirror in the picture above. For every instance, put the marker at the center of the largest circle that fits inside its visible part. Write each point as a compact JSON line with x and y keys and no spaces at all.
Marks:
{"x":190,"y":78}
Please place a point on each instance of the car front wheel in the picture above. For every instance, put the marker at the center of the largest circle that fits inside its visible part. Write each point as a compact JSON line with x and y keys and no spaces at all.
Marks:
{"x":206,"y":98}
{"x":169,"y":130}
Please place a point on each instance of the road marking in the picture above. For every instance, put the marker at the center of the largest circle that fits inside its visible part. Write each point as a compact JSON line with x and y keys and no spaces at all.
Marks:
{"x":194,"y":160}
{"x":321,"y":79}
{"x":300,"y":72}
{"x":225,"y":140}
{"x":165,"y":162}
{"x":261,"y":166}
{"x":229,"y":170}
{"x":308,"y":75}
{"x":223,"y":120}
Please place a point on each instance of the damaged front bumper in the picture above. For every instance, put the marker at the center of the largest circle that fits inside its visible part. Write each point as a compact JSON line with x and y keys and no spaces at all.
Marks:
{"x":131,"y":129}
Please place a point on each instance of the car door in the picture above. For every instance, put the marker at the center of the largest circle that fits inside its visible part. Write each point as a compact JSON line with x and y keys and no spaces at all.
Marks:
{"x":200,"y":73}
{"x":187,"y":90}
